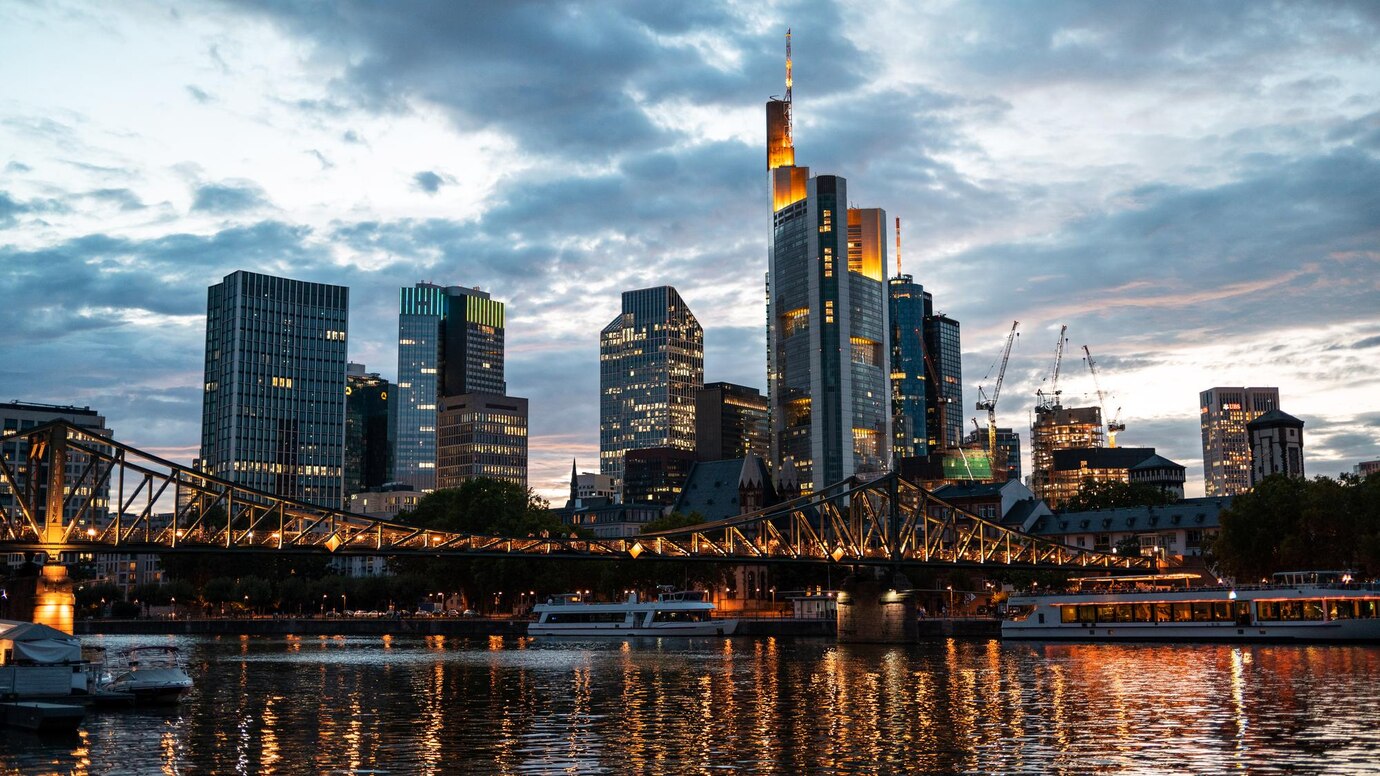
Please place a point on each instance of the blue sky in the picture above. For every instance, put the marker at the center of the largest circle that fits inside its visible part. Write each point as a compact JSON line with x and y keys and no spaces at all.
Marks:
{"x":1193,"y":188}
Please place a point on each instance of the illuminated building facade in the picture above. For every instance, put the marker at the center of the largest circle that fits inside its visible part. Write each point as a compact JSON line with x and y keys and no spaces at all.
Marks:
{"x":651,"y":364}
{"x":273,"y":407}
{"x":944,"y":394}
{"x":1223,"y":414}
{"x":1276,"y":446}
{"x":1008,"y":445}
{"x":655,"y":475}
{"x":482,"y":435}
{"x":1073,"y":466}
{"x":450,"y":342}
{"x":21,"y":416}
{"x":730,"y":422}
{"x":1059,"y":428}
{"x":907,"y":302}
{"x":369,"y":426}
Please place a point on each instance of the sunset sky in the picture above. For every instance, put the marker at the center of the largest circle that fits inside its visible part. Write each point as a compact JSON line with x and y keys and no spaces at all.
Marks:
{"x":1194,"y":188}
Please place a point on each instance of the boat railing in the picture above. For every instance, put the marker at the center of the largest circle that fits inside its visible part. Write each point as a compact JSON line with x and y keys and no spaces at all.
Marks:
{"x":1343,"y":586}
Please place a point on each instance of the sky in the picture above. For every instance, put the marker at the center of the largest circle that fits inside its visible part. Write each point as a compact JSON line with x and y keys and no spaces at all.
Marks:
{"x":1193,"y":188}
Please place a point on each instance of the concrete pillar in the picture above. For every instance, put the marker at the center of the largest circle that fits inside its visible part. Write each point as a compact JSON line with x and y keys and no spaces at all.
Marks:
{"x":873,"y":610}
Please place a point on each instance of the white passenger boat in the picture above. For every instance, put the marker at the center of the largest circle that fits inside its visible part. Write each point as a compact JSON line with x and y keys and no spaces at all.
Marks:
{"x":1305,"y":606}
{"x":37,"y":661}
{"x":685,"y":613}
{"x":152,"y":674}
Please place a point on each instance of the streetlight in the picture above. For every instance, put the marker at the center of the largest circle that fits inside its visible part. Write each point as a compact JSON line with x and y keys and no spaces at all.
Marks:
{"x":951,"y":601}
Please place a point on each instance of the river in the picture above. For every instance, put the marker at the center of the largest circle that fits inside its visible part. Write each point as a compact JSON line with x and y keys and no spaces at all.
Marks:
{"x":266,"y":705}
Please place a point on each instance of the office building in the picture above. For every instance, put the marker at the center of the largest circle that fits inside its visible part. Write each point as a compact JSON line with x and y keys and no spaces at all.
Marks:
{"x":1008,"y":449}
{"x":907,"y":302}
{"x":1276,"y":446}
{"x":369,"y":425}
{"x":944,"y":394}
{"x":22,"y":416}
{"x":590,"y":485}
{"x":651,"y":364}
{"x":1366,"y":468}
{"x":1072,"y":467}
{"x":655,"y":475}
{"x":273,"y":412}
{"x":827,"y":338}
{"x":1223,"y":414}
{"x":450,"y":342}
{"x":730,"y":422}
{"x":1059,"y":428}
{"x":482,"y":435}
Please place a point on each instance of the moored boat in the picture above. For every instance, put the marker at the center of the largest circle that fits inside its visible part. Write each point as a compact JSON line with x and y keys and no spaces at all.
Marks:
{"x":153,"y":674}
{"x":1304,"y":606}
{"x":683,"y":613}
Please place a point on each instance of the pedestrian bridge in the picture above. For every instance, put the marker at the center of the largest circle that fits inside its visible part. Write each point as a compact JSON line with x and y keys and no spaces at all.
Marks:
{"x":67,"y":490}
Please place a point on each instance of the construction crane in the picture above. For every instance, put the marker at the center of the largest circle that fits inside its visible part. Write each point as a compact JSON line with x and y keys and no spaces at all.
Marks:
{"x":1114,"y":425}
{"x":990,"y":403}
{"x":1051,"y":400}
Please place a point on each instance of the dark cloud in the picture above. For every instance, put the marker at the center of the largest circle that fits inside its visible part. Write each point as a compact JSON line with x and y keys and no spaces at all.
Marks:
{"x":17,"y":167}
{"x":123,"y":198}
{"x":199,"y":94}
{"x":428,"y":181}
{"x":228,"y":197}
{"x":1368,"y":342}
{"x":351,"y":136}
{"x":11,"y":209}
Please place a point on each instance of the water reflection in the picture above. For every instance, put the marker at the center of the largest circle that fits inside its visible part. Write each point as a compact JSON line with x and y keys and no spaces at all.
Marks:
{"x":438,"y":705}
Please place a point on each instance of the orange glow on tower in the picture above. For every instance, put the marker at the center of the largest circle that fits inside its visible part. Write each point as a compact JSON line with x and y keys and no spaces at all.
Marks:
{"x":787,"y":181}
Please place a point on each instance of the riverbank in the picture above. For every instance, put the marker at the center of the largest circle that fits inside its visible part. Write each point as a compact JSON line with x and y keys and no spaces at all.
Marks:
{"x":408,"y":626}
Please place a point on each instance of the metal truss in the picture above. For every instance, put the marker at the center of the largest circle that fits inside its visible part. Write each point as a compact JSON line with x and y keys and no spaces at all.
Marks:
{"x":155,"y":505}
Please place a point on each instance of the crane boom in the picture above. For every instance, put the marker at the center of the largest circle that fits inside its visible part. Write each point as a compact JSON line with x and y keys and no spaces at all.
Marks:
{"x":1051,"y":400}
{"x":1114,"y":425}
{"x":990,"y":403}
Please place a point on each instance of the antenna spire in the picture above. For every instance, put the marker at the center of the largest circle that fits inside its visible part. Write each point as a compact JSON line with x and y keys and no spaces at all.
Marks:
{"x":898,"y":246}
{"x":789,"y":129}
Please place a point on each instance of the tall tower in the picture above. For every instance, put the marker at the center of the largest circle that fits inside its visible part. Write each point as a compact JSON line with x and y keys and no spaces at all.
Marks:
{"x":651,"y":364}
{"x":1276,"y":446}
{"x":450,"y":342}
{"x":906,"y":303}
{"x":944,"y":391}
{"x":273,"y":411}
{"x":827,"y":335}
{"x":1223,"y":414}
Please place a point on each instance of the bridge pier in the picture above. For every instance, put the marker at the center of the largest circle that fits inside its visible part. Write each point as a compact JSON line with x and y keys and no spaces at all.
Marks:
{"x":873,"y":610}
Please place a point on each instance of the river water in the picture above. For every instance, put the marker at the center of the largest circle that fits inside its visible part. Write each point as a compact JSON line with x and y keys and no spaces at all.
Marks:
{"x":266,"y":705}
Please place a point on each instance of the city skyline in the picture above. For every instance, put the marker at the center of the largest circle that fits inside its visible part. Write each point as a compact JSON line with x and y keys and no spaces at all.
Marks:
{"x":1195,"y":230}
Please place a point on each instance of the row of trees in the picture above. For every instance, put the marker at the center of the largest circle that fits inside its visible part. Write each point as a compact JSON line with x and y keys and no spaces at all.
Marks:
{"x":1287,"y":524}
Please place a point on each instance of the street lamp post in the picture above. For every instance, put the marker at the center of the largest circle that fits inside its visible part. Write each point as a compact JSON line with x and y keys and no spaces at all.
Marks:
{"x":951,"y":601}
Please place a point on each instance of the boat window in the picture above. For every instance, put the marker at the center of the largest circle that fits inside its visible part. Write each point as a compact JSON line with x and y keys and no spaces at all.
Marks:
{"x":665,"y":616}
{"x":1106,"y":613}
{"x":1221,"y":611}
{"x":1341,"y":610}
{"x":1312,"y":610}
{"x":1087,"y":613}
{"x":1143,"y":613}
{"x":1068,"y":614}
{"x":1123,"y":612}
{"x":1162,"y":609}
{"x":1202,"y":611}
{"x":1183,"y":612}
{"x":1368,"y":609}
{"x":569,"y":617}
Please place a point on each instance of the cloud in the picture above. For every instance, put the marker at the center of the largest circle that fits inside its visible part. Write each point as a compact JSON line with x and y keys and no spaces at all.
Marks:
{"x":11,"y":209}
{"x":429,"y":181}
{"x":123,"y":198}
{"x":228,"y":197}
{"x":325,"y":163}
{"x":17,"y":167}
{"x":199,"y":94}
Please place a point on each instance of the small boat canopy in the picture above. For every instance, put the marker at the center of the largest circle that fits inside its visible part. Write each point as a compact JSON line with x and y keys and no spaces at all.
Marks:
{"x":30,"y":642}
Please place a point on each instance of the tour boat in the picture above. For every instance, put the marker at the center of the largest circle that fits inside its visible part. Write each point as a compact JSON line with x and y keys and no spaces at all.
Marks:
{"x":37,"y":661}
{"x":153,"y":674}
{"x":684,"y":613}
{"x":1304,"y":606}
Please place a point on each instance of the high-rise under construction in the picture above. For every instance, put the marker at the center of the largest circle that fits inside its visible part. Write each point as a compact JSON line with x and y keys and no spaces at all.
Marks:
{"x":1059,"y":428}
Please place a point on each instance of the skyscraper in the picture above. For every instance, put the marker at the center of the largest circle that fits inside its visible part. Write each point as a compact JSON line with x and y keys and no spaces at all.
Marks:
{"x":651,"y":363}
{"x":369,"y":428}
{"x":1008,"y":446}
{"x":944,"y":393}
{"x":730,"y":422}
{"x":1223,"y":414}
{"x":1059,"y":428}
{"x":482,"y":435}
{"x":22,"y":416}
{"x":273,"y":410}
{"x":907,"y":302}
{"x":450,"y":342}
{"x":827,"y":333}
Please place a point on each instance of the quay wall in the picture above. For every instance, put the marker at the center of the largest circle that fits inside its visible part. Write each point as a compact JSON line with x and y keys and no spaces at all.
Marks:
{"x":308,"y":626}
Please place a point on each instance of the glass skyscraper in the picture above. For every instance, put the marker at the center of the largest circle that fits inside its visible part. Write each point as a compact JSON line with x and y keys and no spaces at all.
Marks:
{"x":1223,"y":413}
{"x":907,"y":301}
{"x":273,"y":408}
{"x":942,"y":346}
{"x":651,"y":364}
{"x":369,"y":427}
{"x":450,"y":342}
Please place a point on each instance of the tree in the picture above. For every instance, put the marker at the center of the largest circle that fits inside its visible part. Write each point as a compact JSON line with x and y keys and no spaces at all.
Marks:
{"x":1129,"y":546}
{"x":1109,"y":494}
